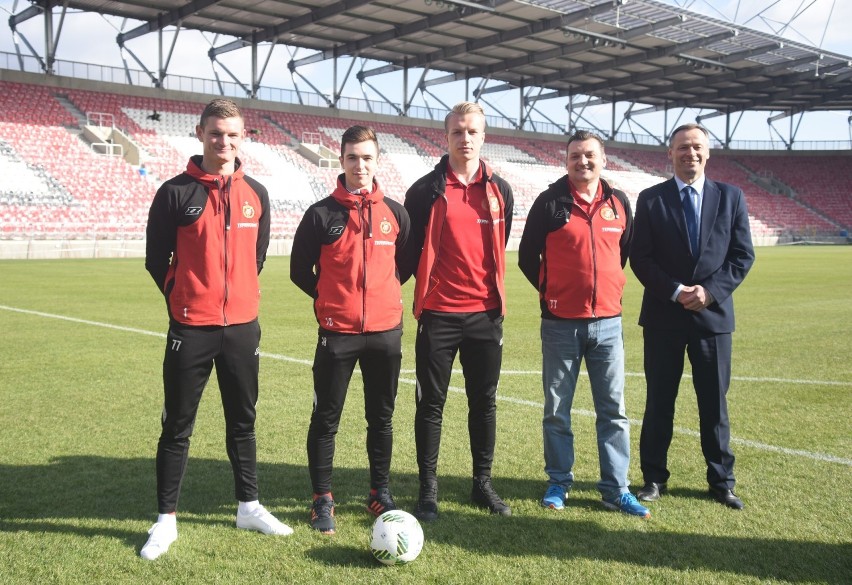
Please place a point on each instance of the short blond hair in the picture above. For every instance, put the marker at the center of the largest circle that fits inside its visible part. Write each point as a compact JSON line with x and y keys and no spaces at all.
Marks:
{"x":462,"y":109}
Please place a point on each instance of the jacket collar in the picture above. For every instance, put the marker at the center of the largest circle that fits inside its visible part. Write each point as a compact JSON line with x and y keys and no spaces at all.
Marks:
{"x":443,"y":166}
{"x":193,"y":168}
{"x":349,"y":200}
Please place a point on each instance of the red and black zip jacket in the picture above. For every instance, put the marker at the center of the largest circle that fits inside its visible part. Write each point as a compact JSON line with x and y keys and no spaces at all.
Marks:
{"x":207,"y":237}
{"x":344,"y":257}
{"x":576,"y":260}
{"x":426,"y":203}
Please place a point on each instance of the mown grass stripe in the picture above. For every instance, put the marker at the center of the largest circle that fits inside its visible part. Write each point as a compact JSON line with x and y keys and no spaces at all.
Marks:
{"x":519,"y":401}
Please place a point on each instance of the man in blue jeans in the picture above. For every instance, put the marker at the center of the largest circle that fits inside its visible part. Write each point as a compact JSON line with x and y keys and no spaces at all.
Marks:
{"x":574,"y":248}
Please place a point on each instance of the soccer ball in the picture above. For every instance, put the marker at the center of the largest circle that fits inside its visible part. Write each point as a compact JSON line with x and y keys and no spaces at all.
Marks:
{"x":397,"y":538}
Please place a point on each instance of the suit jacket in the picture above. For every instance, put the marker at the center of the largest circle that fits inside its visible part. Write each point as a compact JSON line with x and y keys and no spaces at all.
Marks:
{"x":661,"y":259}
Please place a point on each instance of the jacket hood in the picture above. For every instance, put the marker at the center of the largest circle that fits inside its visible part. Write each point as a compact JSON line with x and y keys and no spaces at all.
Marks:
{"x":193,"y":168}
{"x":342,"y":195}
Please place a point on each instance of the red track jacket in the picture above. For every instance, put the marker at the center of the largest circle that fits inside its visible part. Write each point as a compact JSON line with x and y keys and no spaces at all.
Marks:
{"x":207,"y":237}
{"x":344,"y":257}
{"x":576,"y":262}
{"x":426,"y":205}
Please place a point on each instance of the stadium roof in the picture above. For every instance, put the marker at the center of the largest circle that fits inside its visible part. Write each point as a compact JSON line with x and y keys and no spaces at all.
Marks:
{"x":595,"y":51}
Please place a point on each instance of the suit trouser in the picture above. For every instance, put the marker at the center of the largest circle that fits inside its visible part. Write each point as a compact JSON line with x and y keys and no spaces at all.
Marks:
{"x":478,"y":339}
{"x":710,"y":357}
{"x":191,"y":353}
{"x":380,"y":359}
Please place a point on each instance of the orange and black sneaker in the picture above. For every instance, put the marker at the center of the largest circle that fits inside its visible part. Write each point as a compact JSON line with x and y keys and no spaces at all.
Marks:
{"x":380,"y":501}
{"x":322,"y":513}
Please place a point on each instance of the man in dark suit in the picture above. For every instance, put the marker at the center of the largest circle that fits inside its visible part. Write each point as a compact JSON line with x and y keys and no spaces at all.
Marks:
{"x":691,"y":249}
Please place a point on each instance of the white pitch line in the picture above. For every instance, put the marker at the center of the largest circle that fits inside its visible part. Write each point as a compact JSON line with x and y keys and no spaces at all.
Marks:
{"x":519,"y":401}
{"x":83,"y":321}
{"x":642,"y":375}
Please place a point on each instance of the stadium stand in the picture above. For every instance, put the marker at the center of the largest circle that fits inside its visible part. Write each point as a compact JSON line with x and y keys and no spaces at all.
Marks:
{"x":57,"y":185}
{"x":778,"y":214}
{"x":817,"y":182}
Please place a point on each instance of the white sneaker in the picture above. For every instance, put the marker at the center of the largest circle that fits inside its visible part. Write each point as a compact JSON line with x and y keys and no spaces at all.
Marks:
{"x":262,"y":521}
{"x":163,"y":534}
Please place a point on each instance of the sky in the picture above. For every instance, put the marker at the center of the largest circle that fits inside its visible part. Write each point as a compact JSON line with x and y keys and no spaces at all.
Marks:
{"x":90,"y":38}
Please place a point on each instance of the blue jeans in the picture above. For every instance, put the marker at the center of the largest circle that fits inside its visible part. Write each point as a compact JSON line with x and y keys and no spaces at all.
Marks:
{"x":564,"y":344}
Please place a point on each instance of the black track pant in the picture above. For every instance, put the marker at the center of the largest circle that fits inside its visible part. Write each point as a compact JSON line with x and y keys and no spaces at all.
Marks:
{"x":190,"y":355}
{"x":380,"y":358}
{"x":478,"y":339}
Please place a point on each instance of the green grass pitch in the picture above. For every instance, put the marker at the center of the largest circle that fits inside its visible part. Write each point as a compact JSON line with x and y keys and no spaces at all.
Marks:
{"x":80,"y":388}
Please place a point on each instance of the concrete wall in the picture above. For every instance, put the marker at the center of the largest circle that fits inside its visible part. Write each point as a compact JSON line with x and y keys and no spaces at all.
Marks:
{"x":56,"y":249}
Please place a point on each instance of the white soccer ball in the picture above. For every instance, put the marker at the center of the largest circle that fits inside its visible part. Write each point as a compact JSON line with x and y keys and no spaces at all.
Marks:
{"x":397,"y":538}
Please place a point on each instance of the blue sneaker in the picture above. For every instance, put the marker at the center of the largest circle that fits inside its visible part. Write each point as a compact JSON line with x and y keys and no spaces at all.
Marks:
{"x":554,"y":497}
{"x":628,"y":504}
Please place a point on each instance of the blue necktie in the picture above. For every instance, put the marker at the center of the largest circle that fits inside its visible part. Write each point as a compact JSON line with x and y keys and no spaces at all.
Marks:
{"x":691,"y":218}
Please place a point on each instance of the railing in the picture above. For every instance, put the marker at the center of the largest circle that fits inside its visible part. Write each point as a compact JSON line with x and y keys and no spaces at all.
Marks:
{"x":110,"y":74}
{"x":312,"y":138}
{"x":101,"y":119}
{"x":108,"y":149}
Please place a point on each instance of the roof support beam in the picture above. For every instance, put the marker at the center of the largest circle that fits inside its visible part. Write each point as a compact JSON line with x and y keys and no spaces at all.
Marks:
{"x":540,"y":57}
{"x":17,"y":19}
{"x":164,"y":19}
{"x":644,"y":56}
{"x":790,"y":84}
{"x":234,"y":77}
{"x":24,"y":15}
{"x":588,"y":41}
{"x":51,"y":39}
{"x":500,"y":37}
{"x":383,"y":96}
{"x":338,"y":90}
{"x":679,"y":87}
{"x":839,"y":93}
{"x":511,"y":121}
{"x":256,"y":75}
{"x":622,"y":38}
{"x":410,"y":100}
{"x":273,"y":33}
{"x":639,"y":78}
{"x":475,"y":6}
{"x":354,"y":47}
{"x":749,"y":53}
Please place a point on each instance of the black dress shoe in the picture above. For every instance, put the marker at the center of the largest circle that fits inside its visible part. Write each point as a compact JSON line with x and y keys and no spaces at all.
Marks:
{"x":651,"y":491}
{"x":727,"y":497}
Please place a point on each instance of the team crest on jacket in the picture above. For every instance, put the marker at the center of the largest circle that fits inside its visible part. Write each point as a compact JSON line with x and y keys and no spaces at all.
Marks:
{"x":385,"y":227}
{"x":248,"y":210}
{"x":495,"y":205}
{"x":607,"y":213}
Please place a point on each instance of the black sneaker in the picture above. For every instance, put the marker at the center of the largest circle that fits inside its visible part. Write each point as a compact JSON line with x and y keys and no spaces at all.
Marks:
{"x":380,"y":501}
{"x":322,"y":514}
{"x":482,"y":493}
{"x":427,"y":504}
